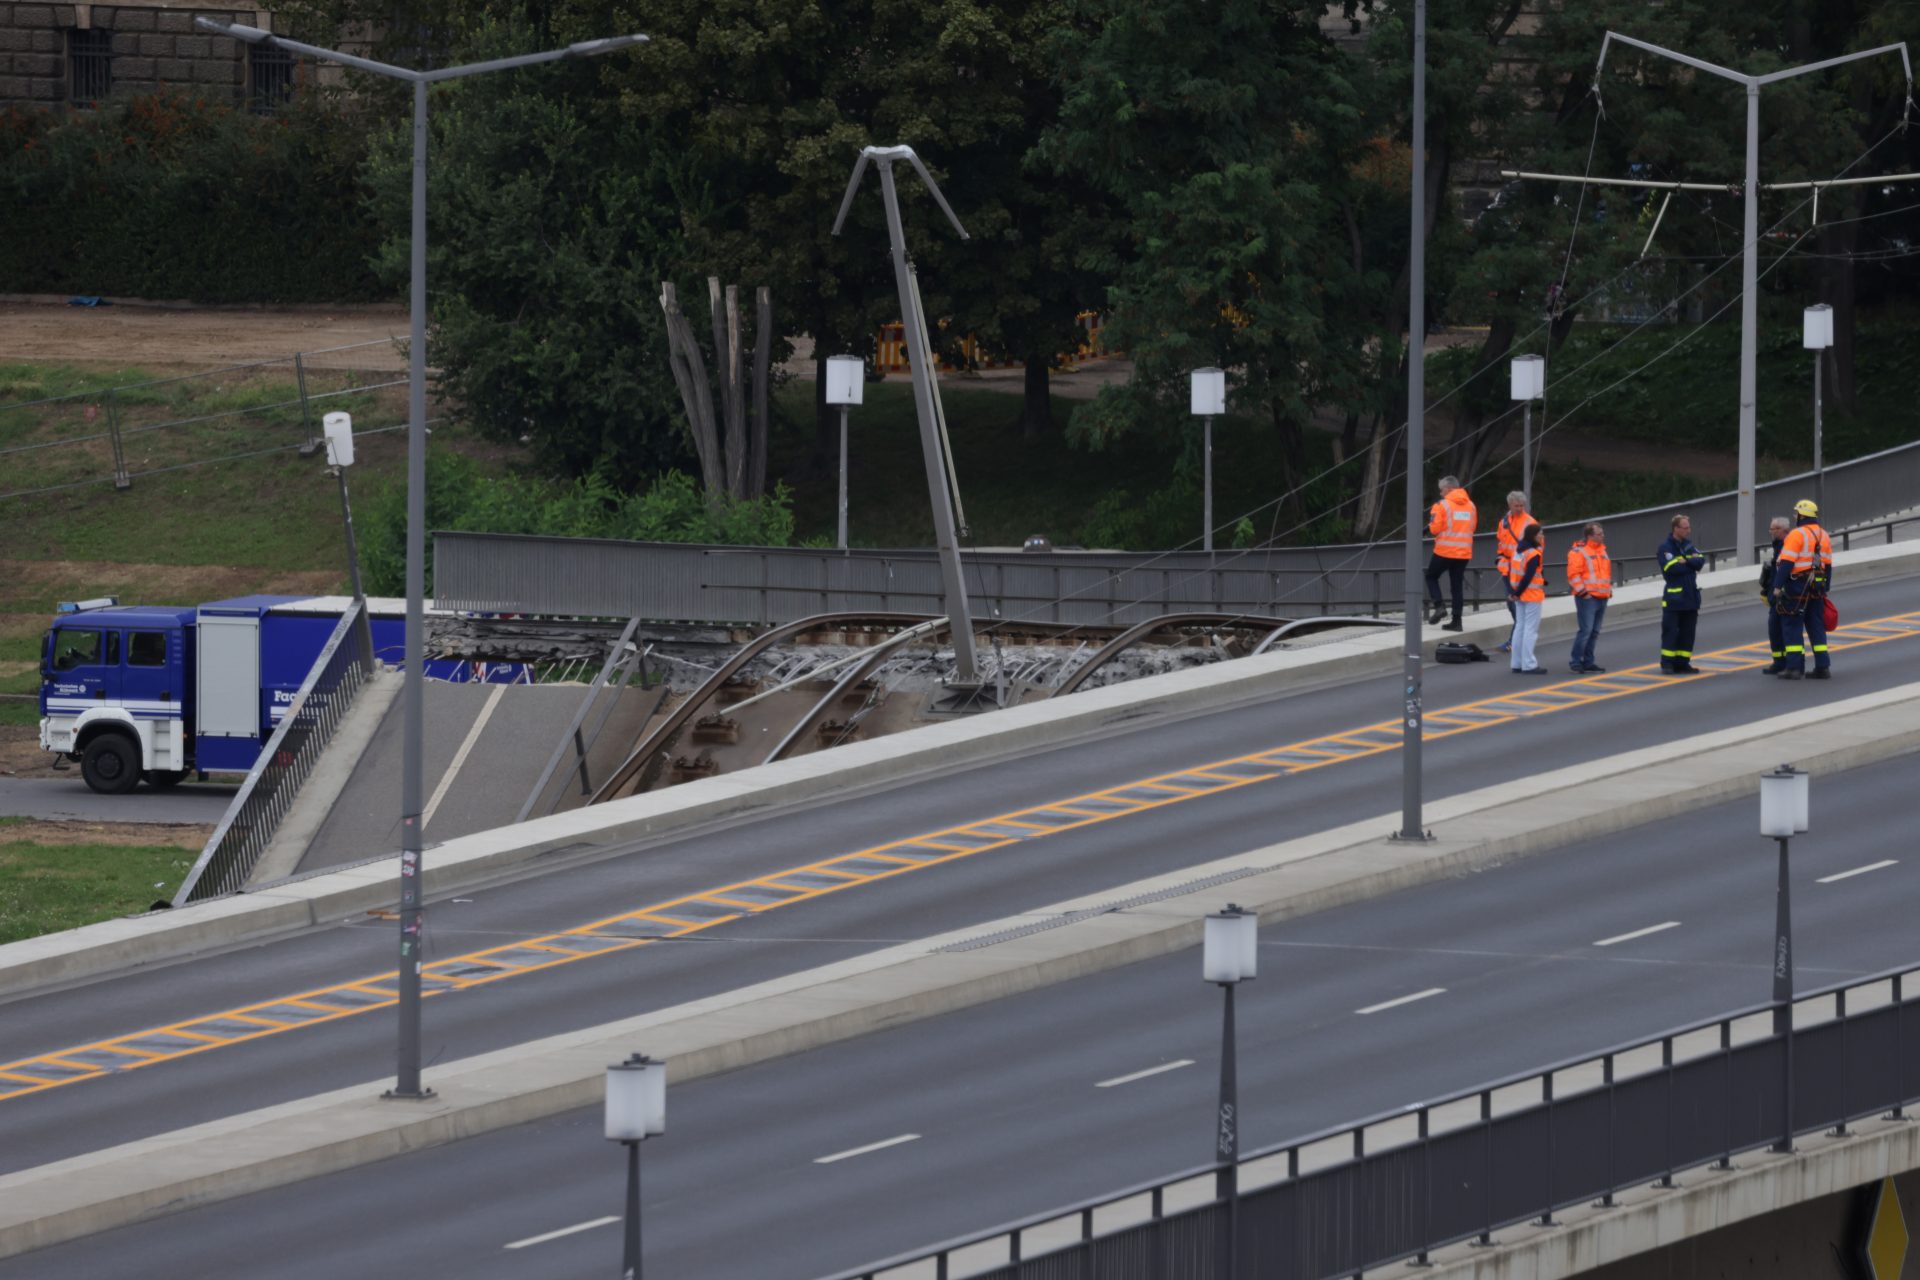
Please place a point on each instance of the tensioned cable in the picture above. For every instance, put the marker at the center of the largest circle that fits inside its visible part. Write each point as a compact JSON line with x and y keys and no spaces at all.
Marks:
{"x":1546,"y":429}
{"x":197,"y":462}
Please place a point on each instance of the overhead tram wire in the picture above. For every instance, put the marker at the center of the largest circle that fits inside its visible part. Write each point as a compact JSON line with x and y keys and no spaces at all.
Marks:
{"x":1400,"y":472}
{"x":1274,"y":504}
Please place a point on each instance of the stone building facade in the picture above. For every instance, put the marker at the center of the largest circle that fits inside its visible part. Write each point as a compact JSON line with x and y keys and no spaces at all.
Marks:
{"x":71,"y":55}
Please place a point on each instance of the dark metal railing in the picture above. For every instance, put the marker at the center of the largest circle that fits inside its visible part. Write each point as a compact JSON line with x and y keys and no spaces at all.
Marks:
{"x":257,"y":809}
{"x":1401,"y":1183}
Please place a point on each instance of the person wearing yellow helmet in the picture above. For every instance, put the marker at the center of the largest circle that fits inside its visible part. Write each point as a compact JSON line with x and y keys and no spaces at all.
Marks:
{"x":1800,"y":582}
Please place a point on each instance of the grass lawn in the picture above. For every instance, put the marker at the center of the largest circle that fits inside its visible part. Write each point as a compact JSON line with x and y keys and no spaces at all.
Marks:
{"x":47,"y":885}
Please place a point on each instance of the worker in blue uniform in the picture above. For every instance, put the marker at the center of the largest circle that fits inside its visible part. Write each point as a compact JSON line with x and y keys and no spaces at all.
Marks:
{"x":1776,"y":633}
{"x":1800,"y":583}
{"x":1680,"y":564}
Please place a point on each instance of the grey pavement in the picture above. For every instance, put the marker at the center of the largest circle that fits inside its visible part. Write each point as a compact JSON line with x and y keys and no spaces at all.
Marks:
{"x":1006,"y":1102}
{"x":65,"y":1121}
{"x":67,"y":799}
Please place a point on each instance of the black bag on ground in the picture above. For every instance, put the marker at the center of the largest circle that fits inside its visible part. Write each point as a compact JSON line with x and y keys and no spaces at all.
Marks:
{"x":1455,"y":651}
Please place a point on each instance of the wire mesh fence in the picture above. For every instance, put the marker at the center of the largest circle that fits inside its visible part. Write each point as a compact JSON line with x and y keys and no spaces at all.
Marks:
{"x":115,"y":434}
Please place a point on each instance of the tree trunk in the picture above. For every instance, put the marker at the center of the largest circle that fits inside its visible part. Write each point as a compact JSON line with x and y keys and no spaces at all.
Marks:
{"x":690,"y":376}
{"x":1036,"y":402}
{"x":762,"y":376}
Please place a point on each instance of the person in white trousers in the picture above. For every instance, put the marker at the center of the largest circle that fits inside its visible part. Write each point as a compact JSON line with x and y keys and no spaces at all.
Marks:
{"x":1526,"y":588}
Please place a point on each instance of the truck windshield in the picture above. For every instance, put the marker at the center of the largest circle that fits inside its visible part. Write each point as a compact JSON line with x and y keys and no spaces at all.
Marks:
{"x":46,"y":653}
{"x":75,"y":648}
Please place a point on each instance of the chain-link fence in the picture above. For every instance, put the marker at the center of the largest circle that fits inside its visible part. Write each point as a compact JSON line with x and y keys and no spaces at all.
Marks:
{"x":117,"y":434}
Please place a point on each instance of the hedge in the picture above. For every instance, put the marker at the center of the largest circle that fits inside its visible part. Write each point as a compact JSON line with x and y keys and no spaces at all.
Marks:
{"x":174,"y":196}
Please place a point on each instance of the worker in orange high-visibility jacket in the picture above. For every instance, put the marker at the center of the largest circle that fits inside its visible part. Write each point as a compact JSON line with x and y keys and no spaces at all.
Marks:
{"x":1590,"y":578}
{"x":1452,"y":521}
{"x":1800,"y":593}
{"x":1527,"y":591}
{"x":1507,"y":540}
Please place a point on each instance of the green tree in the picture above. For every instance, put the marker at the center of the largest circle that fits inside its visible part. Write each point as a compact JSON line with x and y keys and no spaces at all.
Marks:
{"x":553,"y":216}
{"x":1222,"y":149}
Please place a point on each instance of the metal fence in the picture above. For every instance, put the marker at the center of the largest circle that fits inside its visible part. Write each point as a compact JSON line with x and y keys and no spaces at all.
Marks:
{"x":117,"y":434}
{"x":248,"y":826}
{"x":1398,"y":1185}
{"x":766,"y":586}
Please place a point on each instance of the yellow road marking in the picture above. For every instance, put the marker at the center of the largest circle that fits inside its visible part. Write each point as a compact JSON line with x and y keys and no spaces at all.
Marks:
{"x":727,"y":903}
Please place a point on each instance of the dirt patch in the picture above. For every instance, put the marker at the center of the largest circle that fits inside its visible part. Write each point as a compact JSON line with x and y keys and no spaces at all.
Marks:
{"x":176,"y":835}
{"x":20,"y":753}
{"x":136,"y":335}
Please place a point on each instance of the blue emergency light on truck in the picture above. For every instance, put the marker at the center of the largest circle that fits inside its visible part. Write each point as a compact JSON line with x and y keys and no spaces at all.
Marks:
{"x":156,"y":693}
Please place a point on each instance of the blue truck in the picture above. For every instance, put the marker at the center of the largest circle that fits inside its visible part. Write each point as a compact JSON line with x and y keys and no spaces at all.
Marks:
{"x":158,"y":693}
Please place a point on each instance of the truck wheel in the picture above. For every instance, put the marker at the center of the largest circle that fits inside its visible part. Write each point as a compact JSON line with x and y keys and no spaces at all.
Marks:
{"x":111,"y":764}
{"x":161,"y":779}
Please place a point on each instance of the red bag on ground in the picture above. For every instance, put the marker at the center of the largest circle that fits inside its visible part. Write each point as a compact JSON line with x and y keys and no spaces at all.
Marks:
{"x":1829,"y":615}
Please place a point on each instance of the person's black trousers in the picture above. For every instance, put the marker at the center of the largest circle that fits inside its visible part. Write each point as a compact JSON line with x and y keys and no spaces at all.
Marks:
{"x":1676,"y":637}
{"x":1456,"y":570}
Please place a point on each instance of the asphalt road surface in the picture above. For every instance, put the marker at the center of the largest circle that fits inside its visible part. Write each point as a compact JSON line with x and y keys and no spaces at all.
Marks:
{"x":100,"y":1112}
{"x":802,"y":1166}
{"x":63,"y":799}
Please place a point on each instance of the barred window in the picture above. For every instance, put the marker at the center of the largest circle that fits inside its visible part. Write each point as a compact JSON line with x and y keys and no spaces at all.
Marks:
{"x":89,"y":65}
{"x":269,"y":77}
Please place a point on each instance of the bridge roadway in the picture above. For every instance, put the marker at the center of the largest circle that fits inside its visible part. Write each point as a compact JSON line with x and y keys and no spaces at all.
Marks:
{"x":90,"y":1114}
{"x":1534,"y":962}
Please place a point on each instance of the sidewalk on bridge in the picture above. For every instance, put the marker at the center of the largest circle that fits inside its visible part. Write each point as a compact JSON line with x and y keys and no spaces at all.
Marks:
{"x":551,"y":844}
{"x":1481,"y":829}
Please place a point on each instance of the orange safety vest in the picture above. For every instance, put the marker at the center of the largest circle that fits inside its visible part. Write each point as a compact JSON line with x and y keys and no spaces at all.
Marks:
{"x":1590,"y":571}
{"x":1537,"y":589}
{"x":1453,"y":522}
{"x":1809,"y":550}
{"x":1508,"y":534}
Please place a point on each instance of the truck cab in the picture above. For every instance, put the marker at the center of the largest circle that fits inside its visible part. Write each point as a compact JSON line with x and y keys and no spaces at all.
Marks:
{"x":114,"y":693}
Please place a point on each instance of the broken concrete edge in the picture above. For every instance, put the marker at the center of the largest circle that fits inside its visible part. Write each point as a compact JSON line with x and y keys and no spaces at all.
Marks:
{"x":797,"y":1012}
{"x":487,"y":857}
{"x":1706,"y":1198}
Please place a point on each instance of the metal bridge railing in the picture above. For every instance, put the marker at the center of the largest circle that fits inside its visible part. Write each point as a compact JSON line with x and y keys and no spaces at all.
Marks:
{"x":769,"y":586}
{"x":1402,"y":1183}
{"x":272,"y":784}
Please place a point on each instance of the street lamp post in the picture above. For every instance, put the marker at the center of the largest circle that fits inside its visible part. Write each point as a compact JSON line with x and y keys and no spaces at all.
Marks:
{"x":1529,"y":384}
{"x":1816,"y":335}
{"x":407,"y":1075}
{"x":1230,"y":954}
{"x":1209,"y":401}
{"x":1783,"y":814}
{"x":846,"y":386}
{"x":636,"y":1111}
{"x":1745,"y":531}
{"x":1412,"y":701}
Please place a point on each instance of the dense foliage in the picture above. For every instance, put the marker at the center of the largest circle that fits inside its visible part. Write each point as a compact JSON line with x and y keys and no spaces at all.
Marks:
{"x":461,"y":497}
{"x":174,"y":196}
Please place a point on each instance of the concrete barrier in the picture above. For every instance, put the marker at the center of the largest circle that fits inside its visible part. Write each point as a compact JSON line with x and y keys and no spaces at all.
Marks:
{"x":545,"y":844}
{"x":1089,"y":934}
{"x":1652,"y":1219}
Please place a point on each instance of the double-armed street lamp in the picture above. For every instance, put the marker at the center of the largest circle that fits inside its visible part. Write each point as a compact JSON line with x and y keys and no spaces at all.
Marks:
{"x":1208,"y":400}
{"x":636,"y":1111}
{"x":1230,"y":954}
{"x":1783,"y":815}
{"x":846,"y":387}
{"x":407,"y":1076}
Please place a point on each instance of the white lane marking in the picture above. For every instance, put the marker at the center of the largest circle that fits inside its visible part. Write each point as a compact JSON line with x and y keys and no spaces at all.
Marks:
{"x":1859,"y":871}
{"x":1142,"y":1075}
{"x":1638,"y":933}
{"x":871,"y":1146}
{"x":460,"y":756}
{"x":564,"y":1231}
{"x":1394,"y":1004}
